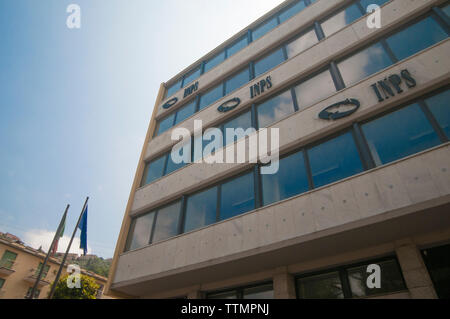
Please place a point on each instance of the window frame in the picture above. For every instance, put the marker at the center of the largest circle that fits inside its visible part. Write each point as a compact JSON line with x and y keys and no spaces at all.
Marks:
{"x":238,"y":290}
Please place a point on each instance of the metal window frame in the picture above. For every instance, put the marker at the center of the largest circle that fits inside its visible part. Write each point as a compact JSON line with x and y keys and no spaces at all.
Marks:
{"x":343,"y":275}
{"x":238,"y":290}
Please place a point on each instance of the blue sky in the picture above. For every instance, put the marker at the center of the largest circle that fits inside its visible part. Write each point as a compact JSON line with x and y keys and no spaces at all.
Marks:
{"x":75,"y":103}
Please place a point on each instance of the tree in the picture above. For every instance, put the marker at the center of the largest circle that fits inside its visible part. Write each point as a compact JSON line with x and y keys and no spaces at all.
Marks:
{"x":88,"y":289}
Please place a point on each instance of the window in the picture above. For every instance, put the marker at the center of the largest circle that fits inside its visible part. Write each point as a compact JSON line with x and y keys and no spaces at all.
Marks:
{"x":324,"y":286}
{"x":264,"y":28}
{"x":173,"y":88}
{"x":190,"y":77}
{"x":165,"y":124}
{"x":275,"y":109}
{"x":215,"y":61}
{"x":185,"y":112}
{"x":36,"y":293}
{"x":391,"y":279}
{"x":140,"y":231}
{"x":335,"y":159}
{"x":363,"y":64}
{"x":166,"y":224}
{"x":243,"y":121}
{"x":171,"y":165}
{"x":351,"y":281}
{"x":269,"y":62}
{"x":237,"y":80}
{"x":399,"y":134}
{"x":154,"y":170}
{"x":261,"y":291}
{"x":201,"y":209}
{"x":211,"y":96}
{"x":446,"y":10}
{"x":301,"y":43}
{"x":293,"y":10}
{"x":2,"y":283}
{"x":8,"y":259}
{"x":237,"y":196}
{"x":415,"y":38}
{"x":237,"y":46}
{"x":437,"y":260}
{"x":291,"y":179}
{"x":44,"y":273}
{"x":440,"y":108}
{"x":341,"y":19}
{"x":315,"y":89}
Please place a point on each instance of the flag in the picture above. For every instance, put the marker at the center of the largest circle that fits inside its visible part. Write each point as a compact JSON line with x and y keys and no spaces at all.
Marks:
{"x":83,"y":228}
{"x":59,"y":235}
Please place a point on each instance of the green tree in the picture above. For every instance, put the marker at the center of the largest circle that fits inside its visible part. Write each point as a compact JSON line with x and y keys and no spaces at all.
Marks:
{"x":88,"y":289}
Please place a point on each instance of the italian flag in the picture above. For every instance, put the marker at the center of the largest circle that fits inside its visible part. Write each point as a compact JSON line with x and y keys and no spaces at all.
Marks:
{"x":59,"y":235}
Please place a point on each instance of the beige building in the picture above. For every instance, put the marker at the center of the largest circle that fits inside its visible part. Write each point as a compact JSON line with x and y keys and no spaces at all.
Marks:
{"x":20,"y":265}
{"x":362,"y":193}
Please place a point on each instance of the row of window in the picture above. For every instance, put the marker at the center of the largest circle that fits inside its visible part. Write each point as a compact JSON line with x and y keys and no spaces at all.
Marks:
{"x":8,"y":259}
{"x":343,"y":73}
{"x":236,"y":46}
{"x":344,"y":282}
{"x":377,"y":56}
{"x":386,"y":138}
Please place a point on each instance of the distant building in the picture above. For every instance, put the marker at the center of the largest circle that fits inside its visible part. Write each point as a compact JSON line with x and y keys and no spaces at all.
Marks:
{"x":19,"y":266}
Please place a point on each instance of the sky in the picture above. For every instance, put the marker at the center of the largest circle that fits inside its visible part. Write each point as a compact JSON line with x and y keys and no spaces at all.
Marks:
{"x":75,"y":104}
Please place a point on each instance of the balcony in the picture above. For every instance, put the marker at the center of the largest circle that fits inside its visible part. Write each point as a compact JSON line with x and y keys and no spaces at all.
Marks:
{"x":6,"y":267}
{"x":32,"y":276}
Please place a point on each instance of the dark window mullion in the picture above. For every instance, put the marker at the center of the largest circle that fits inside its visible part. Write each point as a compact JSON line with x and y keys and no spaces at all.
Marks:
{"x":440,"y":132}
{"x":345,"y":283}
{"x":362,"y":147}
{"x":308,"y":169}
{"x":249,"y":36}
{"x":389,"y":51}
{"x":283,"y":47}
{"x":361,"y":8}
{"x":219,"y":195}
{"x":319,"y":31}
{"x":257,"y":187}
{"x":182,"y":217}
{"x":254,"y":117}
{"x":252,"y":70}
{"x":165,"y":165}
{"x":337,"y":77}
{"x":294,"y":99}
{"x":152,"y":231}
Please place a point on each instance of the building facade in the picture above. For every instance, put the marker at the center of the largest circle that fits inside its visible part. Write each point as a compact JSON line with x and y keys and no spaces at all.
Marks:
{"x":363,"y":185}
{"x":19,"y":269}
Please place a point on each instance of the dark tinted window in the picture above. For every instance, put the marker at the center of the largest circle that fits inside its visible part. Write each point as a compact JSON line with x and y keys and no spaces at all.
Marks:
{"x":341,"y":19}
{"x":440,"y":107}
{"x":191,"y":76}
{"x":391,"y":279}
{"x":174,"y":88}
{"x":171,"y":165}
{"x":166,"y":225}
{"x":301,"y":43}
{"x":237,"y":46}
{"x":185,"y":112}
{"x":213,"y":62}
{"x":140,"y":231}
{"x":399,"y":134}
{"x":201,"y":209}
{"x":334,"y":160}
{"x":154,"y":170}
{"x":237,"y":196}
{"x":269,"y":62}
{"x":438,"y":263}
{"x":293,"y":10}
{"x":415,"y":38}
{"x":446,"y":9}
{"x":315,"y":89}
{"x":259,"y":292}
{"x":165,"y":124}
{"x":363,"y":64}
{"x":237,"y":80}
{"x":243,"y":121}
{"x":275,"y":109}
{"x":290,"y":180}
{"x":211,"y":96}
{"x":324,"y":286}
{"x":264,"y":28}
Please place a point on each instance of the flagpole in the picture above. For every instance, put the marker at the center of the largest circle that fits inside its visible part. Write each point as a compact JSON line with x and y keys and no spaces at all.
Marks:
{"x":52,"y":292}
{"x":41,"y":271}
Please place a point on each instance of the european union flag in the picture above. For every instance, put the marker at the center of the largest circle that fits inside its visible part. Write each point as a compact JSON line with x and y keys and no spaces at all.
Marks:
{"x":83,"y":228}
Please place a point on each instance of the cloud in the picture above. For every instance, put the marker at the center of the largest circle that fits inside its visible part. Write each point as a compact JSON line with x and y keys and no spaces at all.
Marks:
{"x":39,"y":237}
